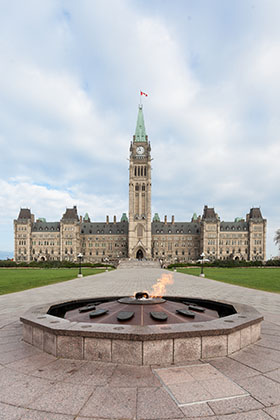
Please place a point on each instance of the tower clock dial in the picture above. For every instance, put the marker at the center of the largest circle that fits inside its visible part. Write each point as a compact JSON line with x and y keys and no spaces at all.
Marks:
{"x":140,"y":150}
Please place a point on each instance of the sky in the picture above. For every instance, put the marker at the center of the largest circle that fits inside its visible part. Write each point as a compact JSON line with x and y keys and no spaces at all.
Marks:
{"x":70,"y":76}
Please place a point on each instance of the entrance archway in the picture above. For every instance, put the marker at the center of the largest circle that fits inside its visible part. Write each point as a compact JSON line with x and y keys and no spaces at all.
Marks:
{"x":139,"y":254}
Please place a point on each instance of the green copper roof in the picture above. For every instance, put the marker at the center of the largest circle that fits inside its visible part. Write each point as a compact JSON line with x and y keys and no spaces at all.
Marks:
{"x":86,"y":217}
{"x":156,"y":218}
{"x":124,"y":218}
{"x":194,"y":216}
{"x":140,"y":132}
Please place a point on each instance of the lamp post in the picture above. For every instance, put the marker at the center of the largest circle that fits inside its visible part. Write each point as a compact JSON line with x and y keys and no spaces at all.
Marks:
{"x":80,"y":257}
{"x":202,"y":257}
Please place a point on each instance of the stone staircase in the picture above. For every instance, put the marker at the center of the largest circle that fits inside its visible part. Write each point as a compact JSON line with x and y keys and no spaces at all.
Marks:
{"x":134,"y":263}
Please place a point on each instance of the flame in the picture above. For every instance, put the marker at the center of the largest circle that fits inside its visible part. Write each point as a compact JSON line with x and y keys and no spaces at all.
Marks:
{"x":159,"y":287}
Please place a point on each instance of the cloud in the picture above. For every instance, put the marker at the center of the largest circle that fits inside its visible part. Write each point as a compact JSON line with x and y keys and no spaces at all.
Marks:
{"x":51,"y":204}
{"x":69,"y":79}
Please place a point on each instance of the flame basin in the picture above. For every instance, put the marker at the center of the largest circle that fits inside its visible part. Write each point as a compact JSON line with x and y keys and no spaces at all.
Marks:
{"x":169,"y":330}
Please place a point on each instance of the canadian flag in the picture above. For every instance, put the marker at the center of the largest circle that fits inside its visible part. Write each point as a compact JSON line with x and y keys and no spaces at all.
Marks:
{"x":143,"y":93}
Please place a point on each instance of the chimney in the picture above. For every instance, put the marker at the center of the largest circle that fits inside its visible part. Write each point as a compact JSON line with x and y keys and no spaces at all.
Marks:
{"x":172,"y":221}
{"x":81,"y":219}
{"x":115,"y":219}
{"x":165,"y":220}
{"x":107,"y":220}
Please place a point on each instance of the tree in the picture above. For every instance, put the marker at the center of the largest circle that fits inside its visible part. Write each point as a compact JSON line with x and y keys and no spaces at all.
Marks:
{"x":277,"y":238}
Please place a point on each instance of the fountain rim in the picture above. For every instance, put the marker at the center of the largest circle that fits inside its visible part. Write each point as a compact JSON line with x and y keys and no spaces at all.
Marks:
{"x":37,"y":317}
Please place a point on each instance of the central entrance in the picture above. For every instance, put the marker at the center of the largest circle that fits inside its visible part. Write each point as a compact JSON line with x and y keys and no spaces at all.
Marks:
{"x":139,"y":254}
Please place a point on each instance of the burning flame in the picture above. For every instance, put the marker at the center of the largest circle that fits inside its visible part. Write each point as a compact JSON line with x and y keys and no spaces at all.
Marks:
{"x":159,"y":287}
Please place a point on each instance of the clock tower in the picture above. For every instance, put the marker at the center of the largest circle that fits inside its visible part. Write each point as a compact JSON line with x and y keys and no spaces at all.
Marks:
{"x":140,"y":229}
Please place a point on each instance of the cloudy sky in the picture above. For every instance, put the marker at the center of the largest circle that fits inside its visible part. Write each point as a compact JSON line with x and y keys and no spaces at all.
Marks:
{"x":70,"y":75}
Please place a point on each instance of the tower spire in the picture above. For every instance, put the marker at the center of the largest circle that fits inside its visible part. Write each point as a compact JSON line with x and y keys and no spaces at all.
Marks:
{"x":140,"y":132}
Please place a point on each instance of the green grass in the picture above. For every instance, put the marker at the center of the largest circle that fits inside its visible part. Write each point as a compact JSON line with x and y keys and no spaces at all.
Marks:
{"x":267,"y":279}
{"x":18,"y":279}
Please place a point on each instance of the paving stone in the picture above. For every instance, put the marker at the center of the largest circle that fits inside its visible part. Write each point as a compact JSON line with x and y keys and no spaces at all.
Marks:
{"x":9,"y":412}
{"x":92,"y":373}
{"x":197,"y":410}
{"x":10,"y":339}
{"x":204,"y":372}
{"x":134,"y":376}
{"x":18,"y":389}
{"x":275,"y":375}
{"x":189,"y":392}
{"x":43,"y":415}
{"x":274,"y":412}
{"x":256,"y":361}
{"x":174,"y":375}
{"x":20,"y":352}
{"x":270,"y":354}
{"x":235,"y":405}
{"x":250,"y":415}
{"x":156,"y":403}
{"x":64,"y":398}
{"x":114,"y":403}
{"x":263,"y":389}
{"x":222,"y":388}
{"x":233,"y":369}
{"x":32,"y":363}
{"x":59,"y":369}
{"x":269,"y":341}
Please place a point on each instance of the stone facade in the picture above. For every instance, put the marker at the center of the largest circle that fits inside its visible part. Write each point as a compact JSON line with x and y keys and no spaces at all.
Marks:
{"x":138,"y":236}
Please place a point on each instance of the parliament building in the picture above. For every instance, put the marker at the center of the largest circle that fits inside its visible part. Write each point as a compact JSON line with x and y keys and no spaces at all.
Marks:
{"x":139,"y":235}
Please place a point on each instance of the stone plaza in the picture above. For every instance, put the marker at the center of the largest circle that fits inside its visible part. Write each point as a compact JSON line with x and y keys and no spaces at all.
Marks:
{"x":242,"y":386}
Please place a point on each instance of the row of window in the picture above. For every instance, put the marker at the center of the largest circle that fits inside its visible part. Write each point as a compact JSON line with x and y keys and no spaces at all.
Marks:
{"x":102,"y":231}
{"x":140,"y":170}
{"x":52,"y":243}
{"x":233,"y":242}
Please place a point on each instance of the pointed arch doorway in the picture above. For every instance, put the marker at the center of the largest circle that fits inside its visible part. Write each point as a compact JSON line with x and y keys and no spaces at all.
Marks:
{"x":139,"y":254}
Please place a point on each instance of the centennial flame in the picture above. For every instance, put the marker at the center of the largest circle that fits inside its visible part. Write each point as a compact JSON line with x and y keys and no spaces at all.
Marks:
{"x":159,"y":287}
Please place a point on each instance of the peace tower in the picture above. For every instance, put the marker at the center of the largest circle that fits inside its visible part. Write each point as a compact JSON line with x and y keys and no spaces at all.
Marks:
{"x":140,"y":234}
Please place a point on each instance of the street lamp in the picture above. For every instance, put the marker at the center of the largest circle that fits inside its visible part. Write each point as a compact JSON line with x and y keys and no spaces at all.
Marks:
{"x":202,"y":257}
{"x":80,"y":257}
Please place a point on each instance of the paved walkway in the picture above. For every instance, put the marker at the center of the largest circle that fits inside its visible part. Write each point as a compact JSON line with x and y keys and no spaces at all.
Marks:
{"x":35,"y":385}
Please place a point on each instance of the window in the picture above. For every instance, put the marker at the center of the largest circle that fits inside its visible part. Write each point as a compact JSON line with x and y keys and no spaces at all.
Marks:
{"x":143,"y":187}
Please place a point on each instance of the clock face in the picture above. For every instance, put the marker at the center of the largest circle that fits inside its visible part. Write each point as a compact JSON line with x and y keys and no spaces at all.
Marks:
{"x":140,"y":150}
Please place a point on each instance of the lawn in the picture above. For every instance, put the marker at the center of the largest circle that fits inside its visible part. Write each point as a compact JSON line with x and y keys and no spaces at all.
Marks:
{"x":17,"y":279}
{"x":255,"y":278}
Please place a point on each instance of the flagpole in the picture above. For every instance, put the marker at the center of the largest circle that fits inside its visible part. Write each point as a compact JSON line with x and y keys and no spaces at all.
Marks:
{"x":140,"y":99}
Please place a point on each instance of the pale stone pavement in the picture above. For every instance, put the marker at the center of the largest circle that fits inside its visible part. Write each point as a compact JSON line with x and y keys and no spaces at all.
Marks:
{"x":35,"y":385}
